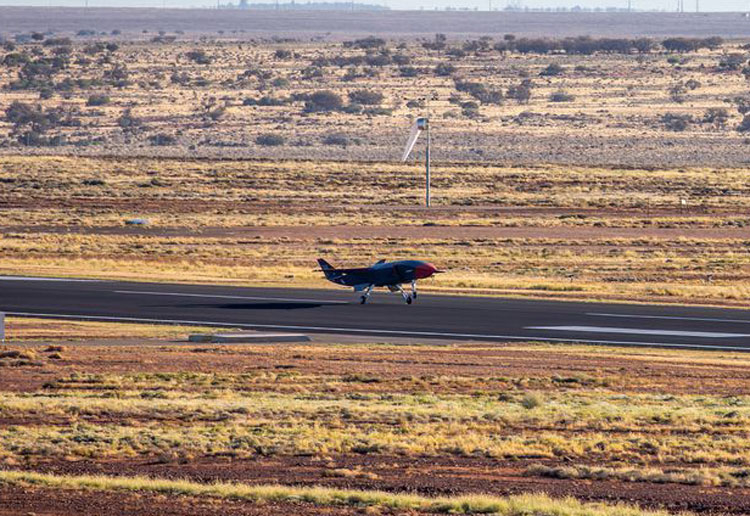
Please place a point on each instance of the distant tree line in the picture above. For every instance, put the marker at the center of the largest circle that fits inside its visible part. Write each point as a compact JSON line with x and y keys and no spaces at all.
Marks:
{"x":585,"y":45}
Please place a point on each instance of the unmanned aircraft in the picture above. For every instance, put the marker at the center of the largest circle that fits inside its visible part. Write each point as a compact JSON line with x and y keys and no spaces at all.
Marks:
{"x":383,"y":274}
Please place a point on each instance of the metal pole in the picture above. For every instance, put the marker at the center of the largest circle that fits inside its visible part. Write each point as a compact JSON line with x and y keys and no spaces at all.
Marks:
{"x":427,"y":166}
{"x":2,"y":327}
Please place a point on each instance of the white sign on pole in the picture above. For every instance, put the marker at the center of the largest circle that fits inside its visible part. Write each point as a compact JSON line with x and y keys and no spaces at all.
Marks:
{"x":2,"y":327}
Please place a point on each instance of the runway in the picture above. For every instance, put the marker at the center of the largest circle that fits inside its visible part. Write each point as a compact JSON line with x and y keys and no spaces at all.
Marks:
{"x":336,"y":312}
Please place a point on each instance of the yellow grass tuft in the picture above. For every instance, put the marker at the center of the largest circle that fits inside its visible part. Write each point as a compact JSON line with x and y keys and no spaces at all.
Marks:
{"x":539,"y":505}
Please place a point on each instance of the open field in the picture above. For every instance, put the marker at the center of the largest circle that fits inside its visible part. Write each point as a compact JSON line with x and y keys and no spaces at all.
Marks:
{"x":559,"y":171}
{"x":665,"y":430}
{"x":578,"y":169}
{"x":248,"y":24}
{"x":491,"y":101}
{"x":548,"y":231}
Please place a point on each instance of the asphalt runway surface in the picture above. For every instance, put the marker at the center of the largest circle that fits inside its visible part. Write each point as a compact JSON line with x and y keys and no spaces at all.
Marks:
{"x":338,"y":312}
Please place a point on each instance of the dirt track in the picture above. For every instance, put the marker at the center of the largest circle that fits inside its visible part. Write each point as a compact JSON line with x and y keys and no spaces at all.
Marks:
{"x":407,"y":232}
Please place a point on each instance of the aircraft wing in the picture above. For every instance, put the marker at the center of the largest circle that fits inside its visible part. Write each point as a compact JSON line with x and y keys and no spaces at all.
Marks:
{"x":352,"y":271}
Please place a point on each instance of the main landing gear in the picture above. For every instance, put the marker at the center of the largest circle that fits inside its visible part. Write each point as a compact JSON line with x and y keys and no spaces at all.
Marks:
{"x":409,"y":297}
{"x":366,"y":295}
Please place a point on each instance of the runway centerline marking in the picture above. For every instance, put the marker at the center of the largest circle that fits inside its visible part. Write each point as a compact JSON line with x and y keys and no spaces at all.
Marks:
{"x":670,"y":318}
{"x":361,"y":331}
{"x":219,"y":296}
{"x":641,"y":331}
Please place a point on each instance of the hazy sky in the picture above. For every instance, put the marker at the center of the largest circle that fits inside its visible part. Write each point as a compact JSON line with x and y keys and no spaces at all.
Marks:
{"x":705,"y":5}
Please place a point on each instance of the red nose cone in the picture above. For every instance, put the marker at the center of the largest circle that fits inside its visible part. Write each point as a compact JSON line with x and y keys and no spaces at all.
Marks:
{"x":425,"y":270}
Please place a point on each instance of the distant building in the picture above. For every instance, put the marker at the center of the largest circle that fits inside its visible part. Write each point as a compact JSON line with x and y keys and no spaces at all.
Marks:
{"x":336,"y":5}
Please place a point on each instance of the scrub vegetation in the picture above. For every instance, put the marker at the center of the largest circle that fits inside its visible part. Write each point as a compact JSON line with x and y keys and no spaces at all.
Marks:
{"x":644,"y":235}
{"x":463,"y":419}
{"x":320,"y":496}
{"x":581,"y":168}
{"x":655,"y":102}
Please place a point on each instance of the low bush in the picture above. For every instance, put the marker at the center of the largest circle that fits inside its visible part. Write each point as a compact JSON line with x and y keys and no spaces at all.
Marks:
{"x":561,"y":96}
{"x":98,"y":100}
{"x":676,"y":122}
{"x":340,"y":139}
{"x":269,"y":140}
{"x":366,"y":97}
{"x":552,"y":70}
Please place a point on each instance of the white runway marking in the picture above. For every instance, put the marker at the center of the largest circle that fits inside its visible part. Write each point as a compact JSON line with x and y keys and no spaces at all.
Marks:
{"x":405,"y":333}
{"x":30,"y":278}
{"x":639,"y":331}
{"x":249,"y":298}
{"x":671,"y":318}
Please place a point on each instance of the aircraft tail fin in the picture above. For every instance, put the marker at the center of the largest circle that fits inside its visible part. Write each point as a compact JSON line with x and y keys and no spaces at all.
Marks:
{"x":327,"y":268}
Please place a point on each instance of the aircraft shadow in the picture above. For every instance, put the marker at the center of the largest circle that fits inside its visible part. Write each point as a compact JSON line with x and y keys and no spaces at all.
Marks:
{"x":259,"y":306}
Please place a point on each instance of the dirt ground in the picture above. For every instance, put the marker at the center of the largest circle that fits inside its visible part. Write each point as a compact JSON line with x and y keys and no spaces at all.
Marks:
{"x":405,"y":232}
{"x":429,"y":476}
{"x":619,"y":109}
{"x":110,"y":368}
{"x":641,"y":371}
{"x":50,"y":502}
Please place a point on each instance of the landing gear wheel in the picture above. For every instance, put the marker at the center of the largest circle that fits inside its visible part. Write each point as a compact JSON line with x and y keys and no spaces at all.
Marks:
{"x":408,"y":300}
{"x":363,"y":300}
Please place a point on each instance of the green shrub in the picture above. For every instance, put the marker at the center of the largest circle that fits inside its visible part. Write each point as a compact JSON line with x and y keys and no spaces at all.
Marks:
{"x":98,"y":100}
{"x":340,"y":139}
{"x":552,"y":70}
{"x":561,"y":96}
{"x":323,"y":101}
{"x":444,"y":69}
{"x":366,"y":97}
{"x":269,"y":140}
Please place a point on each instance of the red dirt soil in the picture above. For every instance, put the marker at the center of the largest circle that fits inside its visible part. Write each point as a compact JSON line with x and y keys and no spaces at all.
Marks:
{"x":16,"y":501}
{"x":445,"y":369}
{"x":395,"y":368}
{"x":431,"y":476}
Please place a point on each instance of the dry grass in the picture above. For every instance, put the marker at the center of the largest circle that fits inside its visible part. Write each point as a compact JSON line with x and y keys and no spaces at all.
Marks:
{"x":354,"y":414}
{"x":729,"y":477}
{"x":22,"y":329}
{"x":545,"y":231}
{"x":344,"y":399}
{"x":620,"y":99}
{"x":474,"y":504}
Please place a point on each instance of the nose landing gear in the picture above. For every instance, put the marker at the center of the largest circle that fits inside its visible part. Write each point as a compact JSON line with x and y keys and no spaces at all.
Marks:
{"x":407,"y":298}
